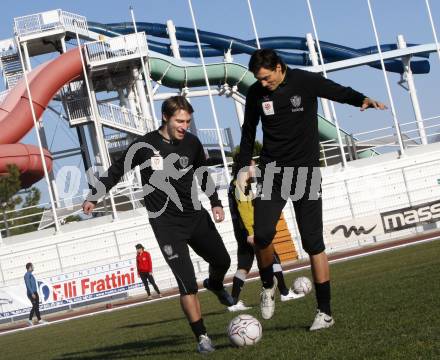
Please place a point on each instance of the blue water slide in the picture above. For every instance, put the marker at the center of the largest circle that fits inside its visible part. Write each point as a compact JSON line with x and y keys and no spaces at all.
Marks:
{"x":216,"y":45}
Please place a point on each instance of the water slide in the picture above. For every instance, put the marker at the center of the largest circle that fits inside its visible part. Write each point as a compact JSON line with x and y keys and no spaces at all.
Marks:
{"x":16,"y":116}
{"x":217,"y":44}
{"x":46,"y":80}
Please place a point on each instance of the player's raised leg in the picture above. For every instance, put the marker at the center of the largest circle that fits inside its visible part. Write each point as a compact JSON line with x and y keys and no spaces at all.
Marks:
{"x":173,"y":244}
{"x":309,"y":218}
{"x":266,"y":215}
{"x":208,"y":244}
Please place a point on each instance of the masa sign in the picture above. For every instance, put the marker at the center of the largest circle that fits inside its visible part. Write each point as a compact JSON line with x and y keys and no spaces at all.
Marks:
{"x":410,"y":217}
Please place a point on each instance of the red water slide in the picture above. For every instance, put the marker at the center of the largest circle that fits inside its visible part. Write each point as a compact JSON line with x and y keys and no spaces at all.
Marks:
{"x":16,"y":115}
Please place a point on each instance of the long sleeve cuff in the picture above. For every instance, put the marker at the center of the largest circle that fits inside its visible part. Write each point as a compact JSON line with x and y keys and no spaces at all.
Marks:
{"x":215,"y":201}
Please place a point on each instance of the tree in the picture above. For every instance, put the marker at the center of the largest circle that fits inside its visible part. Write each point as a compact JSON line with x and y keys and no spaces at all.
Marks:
{"x":257,"y":150}
{"x":10,"y":184}
{"x":29,"y":213}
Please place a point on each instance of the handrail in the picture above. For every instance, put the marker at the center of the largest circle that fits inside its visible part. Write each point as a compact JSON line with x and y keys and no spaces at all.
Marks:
{"x":50,"y":20}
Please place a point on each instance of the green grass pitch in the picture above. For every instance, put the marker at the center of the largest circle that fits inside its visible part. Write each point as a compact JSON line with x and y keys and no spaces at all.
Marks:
{"x":386,"y":306}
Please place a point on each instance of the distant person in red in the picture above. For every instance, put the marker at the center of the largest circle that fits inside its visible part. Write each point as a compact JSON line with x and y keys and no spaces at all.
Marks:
{"x":145,"y":269}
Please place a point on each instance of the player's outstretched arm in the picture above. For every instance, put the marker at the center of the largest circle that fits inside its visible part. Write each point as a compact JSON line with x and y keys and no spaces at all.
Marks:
{"x":371,"y":103}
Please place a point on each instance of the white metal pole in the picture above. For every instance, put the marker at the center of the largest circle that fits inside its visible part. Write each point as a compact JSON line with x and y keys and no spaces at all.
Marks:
{"x":27,"y":60}
{"x":434,"y":31}
{"x":238,"y":107}
{"x":176,"y":54}
{"x":332,"y":105}
{"x":315,"y":62}
{"x":406,"y":60}
{"x":144,"y":69}
{"x":40,"y":147}
{"x":145,"y":108}
{"x":257,"y":40}
{"x":390,"y":96}
{"x":103,"y":157}
{"x":211,"y":99}
{"x":98,"y":130}
{"x":173,"y":40}
{"x":56,"y":194}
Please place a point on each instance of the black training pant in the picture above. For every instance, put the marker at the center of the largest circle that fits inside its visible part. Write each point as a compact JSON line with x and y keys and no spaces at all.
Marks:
{"x":246,"y":252}
{"x":199,"y":232}
{"x":35,"y":307}
{"x":148,"y":277}
{"x":307,"y":203}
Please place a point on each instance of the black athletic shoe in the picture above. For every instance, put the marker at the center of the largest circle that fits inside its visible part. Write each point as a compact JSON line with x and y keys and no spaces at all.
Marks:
{"x":222,"y":295}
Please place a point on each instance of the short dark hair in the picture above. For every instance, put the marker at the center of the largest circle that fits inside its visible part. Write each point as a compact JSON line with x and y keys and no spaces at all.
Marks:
{"x":139,"y":246}
{"x":265,"y":58}
{"x":28,"y":266}
{"x":175,"y":103}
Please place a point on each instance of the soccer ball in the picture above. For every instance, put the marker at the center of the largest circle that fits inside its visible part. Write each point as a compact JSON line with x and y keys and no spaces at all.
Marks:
{"x":302,"y":285}
{"x":244,"y":330}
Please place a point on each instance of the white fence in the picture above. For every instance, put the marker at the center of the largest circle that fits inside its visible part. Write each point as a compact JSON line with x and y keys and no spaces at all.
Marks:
{"x":79,"y":111}
{"x":356,"y":195}
{"x":117,"y":48}
{"x":124,"y":119}
{"x":209,"y":137}
{"x":50,"y":20}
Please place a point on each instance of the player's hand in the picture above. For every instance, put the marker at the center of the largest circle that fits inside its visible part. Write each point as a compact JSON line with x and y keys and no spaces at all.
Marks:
{"x":34,"y":296}
{"x":219,"y":214}
{"x":88,"y":207}
{"x":242,"y":180}
{"x":370,"y":103}
{"x":250,"y":240}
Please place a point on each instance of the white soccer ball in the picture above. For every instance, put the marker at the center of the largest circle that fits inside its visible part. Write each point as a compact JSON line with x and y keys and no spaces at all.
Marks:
{"x":302,"y":285}
{"x":244,"y":330}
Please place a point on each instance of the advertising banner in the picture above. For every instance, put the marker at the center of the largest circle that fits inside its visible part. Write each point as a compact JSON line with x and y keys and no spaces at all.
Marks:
{"x":411,"y":217}
{"x":71,"y":288}
{"x":354,"y":229}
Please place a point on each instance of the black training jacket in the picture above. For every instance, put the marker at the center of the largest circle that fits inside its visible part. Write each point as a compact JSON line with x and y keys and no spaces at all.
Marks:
{"x":168,"y":192}
{"x":289,"y":118}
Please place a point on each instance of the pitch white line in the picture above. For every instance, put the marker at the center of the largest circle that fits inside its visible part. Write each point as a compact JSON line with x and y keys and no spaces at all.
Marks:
{"x":123,"y":307}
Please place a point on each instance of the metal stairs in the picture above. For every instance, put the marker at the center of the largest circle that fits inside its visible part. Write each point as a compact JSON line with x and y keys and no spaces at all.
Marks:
{"x":12,"y":70}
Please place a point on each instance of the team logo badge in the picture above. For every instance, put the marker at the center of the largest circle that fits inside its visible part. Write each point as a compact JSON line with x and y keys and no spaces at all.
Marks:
{"x":296,"y":101}
{"x":268,"y":108}
{"x":184,"y":161}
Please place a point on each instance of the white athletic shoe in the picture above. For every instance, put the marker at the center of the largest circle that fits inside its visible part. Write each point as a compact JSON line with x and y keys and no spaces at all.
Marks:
{"x":322,"y":321}
{"x":42,"y":322}
{"x":291,"y":295}
{"x":30,"y":322}
{"x":239,"y":306}
{"x":267,"y":301}
{"x":205,"y":345}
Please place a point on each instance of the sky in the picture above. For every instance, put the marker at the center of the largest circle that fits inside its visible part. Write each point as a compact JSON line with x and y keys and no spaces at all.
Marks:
{"x":345,"y":22}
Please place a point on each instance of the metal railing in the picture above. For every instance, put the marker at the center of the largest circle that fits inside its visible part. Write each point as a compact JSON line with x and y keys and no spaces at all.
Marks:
{"x":73,"y":22}
{"x":132,"y":45}
{"x":124,"y":119}
{"x":50,"y":20}
{"x":79,"y":110}
{"x":378,"y":141}
{"x":116,"y":141}
{"x":384,"y":139}
{"x":208,"y":137}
